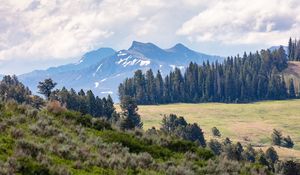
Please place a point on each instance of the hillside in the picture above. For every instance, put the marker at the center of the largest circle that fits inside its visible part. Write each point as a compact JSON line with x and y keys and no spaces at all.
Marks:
{"x":56,"y":141}
{"x":63,"y":142}
{"x":293,"y":71}
{"x":248,"y":123}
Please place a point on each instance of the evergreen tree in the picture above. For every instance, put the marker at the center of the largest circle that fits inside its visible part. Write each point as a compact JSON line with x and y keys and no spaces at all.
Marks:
{"x":150,"y":87}
{"x":45,"y":87}
{"x":215,"y":146}
{"x":238,"y":79}
{"x":91,"y":103}
{"x":272,"y":155}
{"x":290,"y":50}
{"x":12,"y":89}
{"x":292,"y":93}
{"x":276,"y":137}
{"x":131,"y":117}
{"x":159,"y":85}
{"x":215,"y":132}
{"x":287,"y":142}
{"x":108,"y":107}
{"x":139,"y":86}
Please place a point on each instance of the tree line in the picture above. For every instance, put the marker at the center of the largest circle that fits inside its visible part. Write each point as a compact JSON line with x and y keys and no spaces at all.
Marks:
{"x":294,"y":50}
{"x":85,"y":102}
{"x":249,"y":78}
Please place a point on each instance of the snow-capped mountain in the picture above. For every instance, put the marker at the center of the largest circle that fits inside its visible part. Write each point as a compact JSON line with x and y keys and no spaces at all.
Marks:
{"x":104,"y":69}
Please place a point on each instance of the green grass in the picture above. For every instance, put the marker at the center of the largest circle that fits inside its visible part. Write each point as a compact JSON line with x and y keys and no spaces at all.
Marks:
{"x":66,"y":141}
{"x":252,"y":122}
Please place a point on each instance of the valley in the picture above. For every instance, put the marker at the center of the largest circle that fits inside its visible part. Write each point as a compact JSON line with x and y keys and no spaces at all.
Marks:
{"x":247,"y":123}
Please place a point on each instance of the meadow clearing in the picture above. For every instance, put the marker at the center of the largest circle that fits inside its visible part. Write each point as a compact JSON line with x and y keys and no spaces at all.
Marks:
{"x":247,"y":123}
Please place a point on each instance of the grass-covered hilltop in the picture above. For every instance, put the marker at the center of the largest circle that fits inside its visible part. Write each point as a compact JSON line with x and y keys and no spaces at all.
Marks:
{"x":78,"y":133}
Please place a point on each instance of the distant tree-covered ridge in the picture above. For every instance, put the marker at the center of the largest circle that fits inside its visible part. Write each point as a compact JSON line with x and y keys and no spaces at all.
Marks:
{"x":252,"y":77}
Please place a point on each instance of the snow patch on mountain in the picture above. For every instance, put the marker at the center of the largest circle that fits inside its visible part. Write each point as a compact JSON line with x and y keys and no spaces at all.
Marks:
{"x":145,"y":63}
{"x":96,"y":84}
{"x":104,"y":69}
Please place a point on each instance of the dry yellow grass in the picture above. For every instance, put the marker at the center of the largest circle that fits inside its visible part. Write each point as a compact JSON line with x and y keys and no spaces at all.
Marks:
{"x":246,"y":123}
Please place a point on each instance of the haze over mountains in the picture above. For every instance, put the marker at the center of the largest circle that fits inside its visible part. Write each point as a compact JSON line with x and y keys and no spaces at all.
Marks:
{"x":102,"y":70}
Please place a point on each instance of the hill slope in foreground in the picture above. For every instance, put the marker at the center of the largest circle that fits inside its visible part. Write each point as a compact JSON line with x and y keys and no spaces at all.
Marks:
{"x":252,"y":123}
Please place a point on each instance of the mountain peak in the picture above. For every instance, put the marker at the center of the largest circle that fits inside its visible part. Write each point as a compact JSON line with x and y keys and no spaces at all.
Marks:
{"x":136,"y":45}
{"x":179,"y":47}
{"x":95,"y":56}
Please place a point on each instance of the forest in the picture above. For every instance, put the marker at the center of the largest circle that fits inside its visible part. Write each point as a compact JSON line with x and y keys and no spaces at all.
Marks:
{"x":252,"y":77}
{"x":67,"y":133}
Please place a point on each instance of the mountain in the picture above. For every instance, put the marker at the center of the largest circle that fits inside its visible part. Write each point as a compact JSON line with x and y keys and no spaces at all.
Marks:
{"x":277,"y":47}
{"x":102,"y":70}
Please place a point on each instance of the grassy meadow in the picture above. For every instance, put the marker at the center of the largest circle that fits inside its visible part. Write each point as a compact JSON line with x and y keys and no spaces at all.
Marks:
{"x":247,"y":123}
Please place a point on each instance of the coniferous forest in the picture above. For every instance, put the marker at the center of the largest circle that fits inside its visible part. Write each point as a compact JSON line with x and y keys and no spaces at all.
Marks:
{"x":252,"y":77}
{"x":294,"y":50}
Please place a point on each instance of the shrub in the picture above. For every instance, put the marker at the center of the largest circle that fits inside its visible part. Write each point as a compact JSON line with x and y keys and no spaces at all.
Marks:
{"x":28,"y":148}
{"x":100,"y":124}
{"x":215,"y":132}
{"x":16,"y":133}
{"x":290,"y":168}
{"x":287,"y":142}
{"x":31,"y":113}
{"x":55,"y":107}
{"x":44,"y":127}
{"x":271,"y":155}
{"x":215,"y":146}
{"x":276,"y":137}
{"x":144,"y":160}
{"x":85,"y":120}
{"x":30,"y":167}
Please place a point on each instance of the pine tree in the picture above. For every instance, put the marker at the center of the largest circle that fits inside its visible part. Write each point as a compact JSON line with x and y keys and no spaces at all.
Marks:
{"x":139,"y":86}
{"x":108,"y":107}
{"x":276,"y":137}
{"x":290,"y":50}
{"x":292,"y":93}
{"x":150,"y":87}
{"x":131,"y":118}
{"x":272,"y":155}
{"x":159,"y":85}
{"x":91,"y":103}
{"x":287,"y":142}
{"x":215,"y":132}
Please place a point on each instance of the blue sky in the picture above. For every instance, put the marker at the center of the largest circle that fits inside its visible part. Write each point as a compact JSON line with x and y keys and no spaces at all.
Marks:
{"x":36,"y":34}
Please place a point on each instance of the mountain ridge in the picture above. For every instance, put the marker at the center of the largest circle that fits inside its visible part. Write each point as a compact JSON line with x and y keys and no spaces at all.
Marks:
{"x":103,"y":69}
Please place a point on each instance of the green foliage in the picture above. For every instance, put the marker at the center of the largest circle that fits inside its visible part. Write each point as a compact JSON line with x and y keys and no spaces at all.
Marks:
{"x":86,"y":103}
{"x":135,"y":145}
{"x":131,"y":118}
{"x":271,"y":155}
{"x":290,"y":167}
{"x":177,"y":126}
{"x":294,"y":50}
{"x":12,"y":89}
{"x":45,"y":87}
{"x":276,"y":137}
{"x":215,"y":146}
{"x":279,"y":140}
{"x":215,"y":132}
{"x":68,"y":142}
{"x":249,"y":78}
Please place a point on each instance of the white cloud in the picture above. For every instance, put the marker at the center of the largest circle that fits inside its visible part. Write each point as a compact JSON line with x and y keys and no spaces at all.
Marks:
{"x":45,"y":30}
{"x":245,"y":22}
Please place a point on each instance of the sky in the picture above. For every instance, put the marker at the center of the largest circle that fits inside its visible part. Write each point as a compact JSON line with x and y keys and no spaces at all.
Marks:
{"x":36,"y":34}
